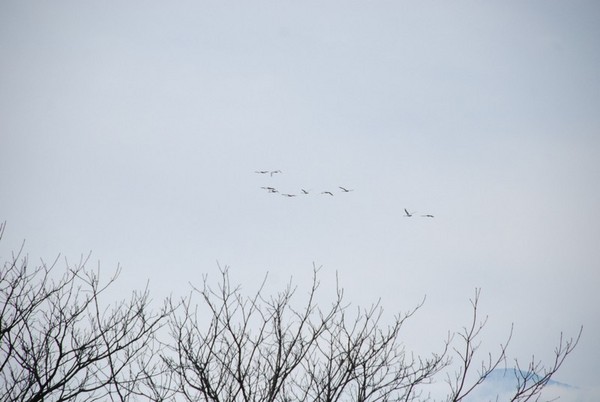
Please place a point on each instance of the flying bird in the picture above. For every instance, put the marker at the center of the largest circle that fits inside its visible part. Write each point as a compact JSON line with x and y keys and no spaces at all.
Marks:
{"x":327,"y":192}
{"x":261,"y":171}
{"x":288,"y":195}
{"x":345,"y":190}
{"x":427,"y":216}
{"x":274,"y":171}
{"x":408,"y":214}
{"x":304,"y":191}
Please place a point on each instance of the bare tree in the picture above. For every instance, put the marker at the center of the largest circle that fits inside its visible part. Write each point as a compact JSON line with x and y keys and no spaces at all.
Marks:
{"x":59,"y":343}
{"x":529,"y":382}
{"x":264,"y":349}
{"x":358,"y":359}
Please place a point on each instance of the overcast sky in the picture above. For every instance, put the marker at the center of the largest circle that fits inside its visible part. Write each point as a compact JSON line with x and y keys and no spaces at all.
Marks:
{"x":133,"y":129}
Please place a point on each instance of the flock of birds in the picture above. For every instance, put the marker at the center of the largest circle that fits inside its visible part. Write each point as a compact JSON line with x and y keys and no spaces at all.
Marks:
{"x":273,"y":190}
{"x":303,"y":191}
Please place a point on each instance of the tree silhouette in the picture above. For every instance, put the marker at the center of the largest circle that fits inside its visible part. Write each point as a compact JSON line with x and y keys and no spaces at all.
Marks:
{"x":529,"y":383}
{"x":263,"y":348}
{"x":59,"y":341}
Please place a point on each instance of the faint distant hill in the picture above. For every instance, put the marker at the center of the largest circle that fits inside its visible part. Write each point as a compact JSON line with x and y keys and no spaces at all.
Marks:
{"x":509,"y":378}
{"x":501,"y":384}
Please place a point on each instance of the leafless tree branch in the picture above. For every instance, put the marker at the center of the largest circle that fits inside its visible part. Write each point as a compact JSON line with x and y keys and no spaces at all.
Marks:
{"x":58,"y":342}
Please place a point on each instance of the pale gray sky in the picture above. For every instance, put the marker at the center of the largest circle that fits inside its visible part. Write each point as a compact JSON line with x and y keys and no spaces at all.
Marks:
{"x":133,"y":129}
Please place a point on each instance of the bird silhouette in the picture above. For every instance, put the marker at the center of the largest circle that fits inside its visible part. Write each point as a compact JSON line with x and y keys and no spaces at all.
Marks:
{"x":427,"y":216}
{"x":345,"y":190}
{"x":288,"y":195}
{"x":408,"y":214}
{"x":261,"y":171}
{"x":274,"y":171}
{"x":327,"y":192}
{"x":304,"y":191}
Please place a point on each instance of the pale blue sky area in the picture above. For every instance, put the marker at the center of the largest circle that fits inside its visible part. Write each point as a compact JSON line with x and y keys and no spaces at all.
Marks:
{"x":133,"y":129}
